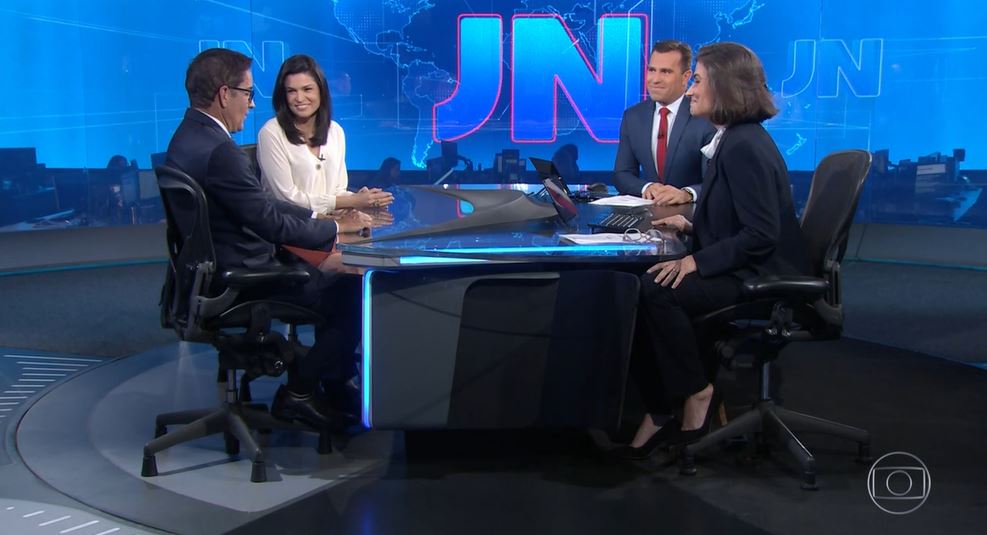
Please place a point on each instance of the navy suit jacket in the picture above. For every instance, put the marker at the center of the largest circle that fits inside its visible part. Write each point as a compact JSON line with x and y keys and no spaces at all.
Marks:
{"x":246,"y":220}
{"x":744,"y":221}
{"x":683,"y":161}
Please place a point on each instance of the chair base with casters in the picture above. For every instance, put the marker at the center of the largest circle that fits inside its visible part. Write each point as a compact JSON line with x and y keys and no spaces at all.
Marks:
{"x":234,"y":419}
{"x":258,"y":351}
{"x":767,"y":418}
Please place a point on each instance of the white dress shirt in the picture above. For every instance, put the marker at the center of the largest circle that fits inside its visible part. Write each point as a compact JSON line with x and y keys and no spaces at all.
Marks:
{"x":296,"y":175}
{"x":673,"y":111}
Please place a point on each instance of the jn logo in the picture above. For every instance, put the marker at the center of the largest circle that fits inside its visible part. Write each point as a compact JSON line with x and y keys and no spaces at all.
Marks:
{"x":828,"y":61}
{"x":545,"y":58}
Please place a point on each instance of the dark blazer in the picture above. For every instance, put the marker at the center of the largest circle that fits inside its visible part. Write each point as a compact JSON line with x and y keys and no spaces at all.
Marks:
{"x":745,"y":219}
{"x":683,"y":161}
{"x":246,"y":220}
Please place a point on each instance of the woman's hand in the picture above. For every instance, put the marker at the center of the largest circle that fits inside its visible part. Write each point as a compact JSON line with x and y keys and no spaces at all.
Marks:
{"x":673,"y":271}
{"x":677,"y":222}
{"x":367,"y":198}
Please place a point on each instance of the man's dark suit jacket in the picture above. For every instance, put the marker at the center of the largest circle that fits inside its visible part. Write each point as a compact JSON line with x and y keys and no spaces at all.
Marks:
{"x":745,"y":219}
{"x":683,"y":161}
{"x":246,"y":219}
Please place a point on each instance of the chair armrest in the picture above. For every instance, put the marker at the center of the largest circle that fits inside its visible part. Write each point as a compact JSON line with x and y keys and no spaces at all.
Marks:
{"x":242,"y":314}
{"x":797,"y":286}
{"x":242,"y":277}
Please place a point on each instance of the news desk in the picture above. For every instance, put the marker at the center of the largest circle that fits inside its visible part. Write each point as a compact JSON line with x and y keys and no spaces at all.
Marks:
{"x":497,"y":326}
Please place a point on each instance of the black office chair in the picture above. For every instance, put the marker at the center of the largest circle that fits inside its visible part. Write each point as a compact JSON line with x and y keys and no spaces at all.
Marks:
{"x":201,"y":306}
{"x":783,"y":309}
{"x":250,"y":149}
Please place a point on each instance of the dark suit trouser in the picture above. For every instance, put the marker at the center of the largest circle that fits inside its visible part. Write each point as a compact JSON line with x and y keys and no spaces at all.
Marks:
{"x":337,"y":297}
{"x":668,"y":363}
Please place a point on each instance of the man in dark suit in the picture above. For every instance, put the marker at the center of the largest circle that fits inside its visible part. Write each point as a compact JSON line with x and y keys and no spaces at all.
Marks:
{"x":662,"y":132}
{"x":247,"y":224}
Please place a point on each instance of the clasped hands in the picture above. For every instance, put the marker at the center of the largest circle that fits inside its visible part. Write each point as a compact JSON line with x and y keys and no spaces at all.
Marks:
{"x":665,"y":195}
{"x":672,"y":272}
{"x":349,"y":220}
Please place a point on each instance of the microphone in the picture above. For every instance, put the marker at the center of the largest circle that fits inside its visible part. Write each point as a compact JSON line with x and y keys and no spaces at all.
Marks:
{"x":321,"y":157}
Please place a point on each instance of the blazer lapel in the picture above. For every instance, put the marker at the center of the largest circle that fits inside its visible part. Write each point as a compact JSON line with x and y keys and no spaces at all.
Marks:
{"x":678,"y":127}
{"x":709,"y":174}
{"x":647,"y":120}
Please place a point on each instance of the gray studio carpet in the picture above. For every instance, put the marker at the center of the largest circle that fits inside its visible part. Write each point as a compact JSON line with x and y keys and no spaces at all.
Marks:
{"x":109,"y":312}
{"x":113,"y":312}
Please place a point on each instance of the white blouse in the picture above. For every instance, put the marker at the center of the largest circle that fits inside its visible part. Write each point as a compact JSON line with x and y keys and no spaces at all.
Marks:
{"x":296,"y":175}
{"x":709,"y":149}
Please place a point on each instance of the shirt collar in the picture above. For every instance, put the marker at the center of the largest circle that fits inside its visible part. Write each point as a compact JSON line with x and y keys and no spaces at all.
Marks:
{"x":217,"y":121}
{"x":673,"y":107}
{"x":710,"y":148}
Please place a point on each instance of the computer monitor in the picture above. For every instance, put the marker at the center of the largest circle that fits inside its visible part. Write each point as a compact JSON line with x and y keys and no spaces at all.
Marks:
{"x":19,"y":170}
{"x":158,"y":158}
{"x":18,"y":160}
{"x":547,"y":169}
{"x":148,"y":182}
{"x":556,"y":189}
{"x":129,"y":186}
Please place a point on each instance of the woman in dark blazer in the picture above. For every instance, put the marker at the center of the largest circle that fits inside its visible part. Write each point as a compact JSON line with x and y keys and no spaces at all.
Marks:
{"x":744,"y":226}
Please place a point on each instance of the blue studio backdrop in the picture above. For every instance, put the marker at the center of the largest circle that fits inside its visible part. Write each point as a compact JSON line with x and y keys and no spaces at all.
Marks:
{"x":87,"y":80}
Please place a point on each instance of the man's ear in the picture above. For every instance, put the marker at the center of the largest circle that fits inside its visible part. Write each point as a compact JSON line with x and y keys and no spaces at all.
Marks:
{"x":223,"y":96}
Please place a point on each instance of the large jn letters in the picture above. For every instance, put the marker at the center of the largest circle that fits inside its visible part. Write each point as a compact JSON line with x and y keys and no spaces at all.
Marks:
{"x":545,"y":57}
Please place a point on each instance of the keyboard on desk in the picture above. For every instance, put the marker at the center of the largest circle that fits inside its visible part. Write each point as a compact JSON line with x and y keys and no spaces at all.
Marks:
{"x":620,"y":222}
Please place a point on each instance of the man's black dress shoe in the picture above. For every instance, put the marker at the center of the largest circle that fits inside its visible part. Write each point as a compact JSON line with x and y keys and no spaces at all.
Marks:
{"x":307,"y":408}
{"x":661,"y":437}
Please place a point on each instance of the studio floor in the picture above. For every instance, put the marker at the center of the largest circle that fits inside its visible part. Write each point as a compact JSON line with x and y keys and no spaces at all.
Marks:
{"x":77,"y":409}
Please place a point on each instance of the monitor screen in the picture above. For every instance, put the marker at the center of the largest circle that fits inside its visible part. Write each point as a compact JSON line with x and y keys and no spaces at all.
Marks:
{"x":546,"y":169}
{"x":148,"y":185}
{"x":563,"y":204}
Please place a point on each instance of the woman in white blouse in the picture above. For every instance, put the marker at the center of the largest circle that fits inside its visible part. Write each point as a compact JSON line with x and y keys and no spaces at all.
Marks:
{"x":302,"y":151}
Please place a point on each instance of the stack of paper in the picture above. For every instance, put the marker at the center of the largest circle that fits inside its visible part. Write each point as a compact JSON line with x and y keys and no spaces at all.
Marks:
{"x":623,"y":200}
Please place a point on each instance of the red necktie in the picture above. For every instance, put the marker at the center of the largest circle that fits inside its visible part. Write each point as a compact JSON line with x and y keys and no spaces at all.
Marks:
{"x":662,"y":145}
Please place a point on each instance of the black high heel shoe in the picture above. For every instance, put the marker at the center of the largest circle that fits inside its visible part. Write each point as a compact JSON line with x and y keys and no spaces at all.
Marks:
{"x":684,"y":437}
{"x":662,"y":436}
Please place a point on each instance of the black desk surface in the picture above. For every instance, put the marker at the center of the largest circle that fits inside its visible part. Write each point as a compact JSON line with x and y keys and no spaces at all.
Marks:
{"x":416,"y":210}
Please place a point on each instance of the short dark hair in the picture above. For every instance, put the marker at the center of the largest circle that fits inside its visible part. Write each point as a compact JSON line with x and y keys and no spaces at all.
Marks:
{"x":736,"y":80}
{"x":299,"y":64}
{"x":211,"y":70}
{"x":671,"y":45}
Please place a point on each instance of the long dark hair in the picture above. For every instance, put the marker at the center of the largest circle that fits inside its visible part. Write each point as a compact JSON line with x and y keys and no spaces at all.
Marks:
{"x":299,"y":64}
{"x":736,"y":79}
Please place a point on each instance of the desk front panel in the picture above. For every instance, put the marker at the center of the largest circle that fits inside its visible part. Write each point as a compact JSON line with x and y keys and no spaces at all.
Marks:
{"x":496,"y":347}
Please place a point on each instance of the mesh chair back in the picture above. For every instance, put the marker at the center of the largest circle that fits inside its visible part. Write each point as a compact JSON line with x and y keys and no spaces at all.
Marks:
{"x":250,"y":150}
{"x":828,"y":214}
{"x":190,"y":250}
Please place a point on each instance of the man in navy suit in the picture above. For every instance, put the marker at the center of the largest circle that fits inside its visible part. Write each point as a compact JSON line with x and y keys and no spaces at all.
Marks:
{"x":661,"y":131}
{"x":247,"y":224}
